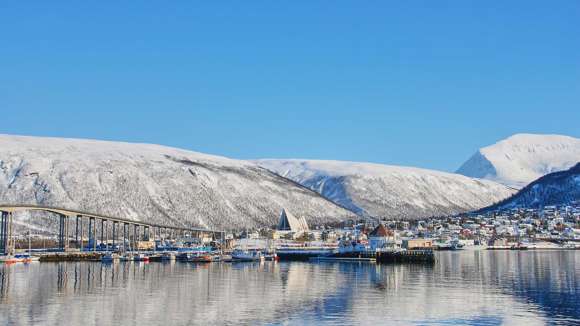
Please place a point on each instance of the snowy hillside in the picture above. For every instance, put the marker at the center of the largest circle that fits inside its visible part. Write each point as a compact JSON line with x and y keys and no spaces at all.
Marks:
{"x":151,"y":183}
{"x":558,"y":188}
{"x":390,"y":191}
{"x":523,"y":158}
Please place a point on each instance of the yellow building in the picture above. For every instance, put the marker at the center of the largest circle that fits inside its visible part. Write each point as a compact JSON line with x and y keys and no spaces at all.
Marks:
{"x":417,"y":243}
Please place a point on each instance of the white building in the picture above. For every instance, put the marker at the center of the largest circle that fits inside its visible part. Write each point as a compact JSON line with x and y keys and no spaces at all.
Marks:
{"x":289,"y":222}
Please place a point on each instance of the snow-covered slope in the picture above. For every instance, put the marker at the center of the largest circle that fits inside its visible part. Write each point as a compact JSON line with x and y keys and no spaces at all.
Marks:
{"x":390,"y":191}
{"x":523,"y":158}
{"x":558,"y":188}
{"x":152,"y":183}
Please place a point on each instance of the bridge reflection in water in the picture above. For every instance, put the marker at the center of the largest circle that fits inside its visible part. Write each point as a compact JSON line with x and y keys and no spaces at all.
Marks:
{"x":467,"y":288}
{"x":109,"y":227}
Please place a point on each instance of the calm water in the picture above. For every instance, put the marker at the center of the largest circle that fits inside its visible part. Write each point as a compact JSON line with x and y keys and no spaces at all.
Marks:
{"x":466,"y":288}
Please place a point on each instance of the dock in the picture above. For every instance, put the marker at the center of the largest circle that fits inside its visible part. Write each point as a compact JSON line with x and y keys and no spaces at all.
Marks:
{"x":345,"y":259}
{"x":70,"y":256}
{"x":379,"y":256}
{"x":406,"y":256}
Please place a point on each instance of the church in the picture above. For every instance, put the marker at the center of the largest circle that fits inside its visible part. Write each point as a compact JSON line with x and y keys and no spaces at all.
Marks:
{"x":289,"y":222}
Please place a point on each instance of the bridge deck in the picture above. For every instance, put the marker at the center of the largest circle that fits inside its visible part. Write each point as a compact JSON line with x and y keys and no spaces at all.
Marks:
{"x":69,"y":212}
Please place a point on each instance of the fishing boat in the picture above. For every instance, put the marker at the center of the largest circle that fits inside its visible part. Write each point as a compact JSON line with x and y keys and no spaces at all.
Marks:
{"x":452,"y":244}
{"x":247,"y":255}
{"x":199,"y":257}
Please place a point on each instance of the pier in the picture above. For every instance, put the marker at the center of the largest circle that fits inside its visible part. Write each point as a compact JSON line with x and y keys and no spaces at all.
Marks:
{"x":405,"y":256}
{"x":116,"y":231}
{"x":379,"y":256}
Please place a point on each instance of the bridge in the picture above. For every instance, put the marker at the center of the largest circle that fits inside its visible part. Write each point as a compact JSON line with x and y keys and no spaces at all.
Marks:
{"x":82,"y":219}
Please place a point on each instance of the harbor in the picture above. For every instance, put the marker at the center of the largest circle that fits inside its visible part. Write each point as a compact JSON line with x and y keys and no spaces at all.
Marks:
{"x":309,"y":292}
{"x":110,"y":239}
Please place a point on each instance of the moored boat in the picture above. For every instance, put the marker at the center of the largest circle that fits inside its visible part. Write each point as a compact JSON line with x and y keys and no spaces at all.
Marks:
{"x":19,"y":258}
{"x":519,"y":246}
{"x":167,"y":256}
{"x":452,"y":244}
{"x":8,"y":259}
{"x":271,"y":256}
{"x":201,"y":258}
{"x":109,"y":258}
{"x":141,"y":257}
{"x":127,"y":257}
{"x":247,"y":255}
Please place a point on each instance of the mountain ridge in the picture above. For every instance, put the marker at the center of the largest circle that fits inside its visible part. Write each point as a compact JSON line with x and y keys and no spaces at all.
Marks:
{"x":557,"y":188}
{"x":152,"y":183}
{"x":522,"y":158}
{"x":377,"y":190}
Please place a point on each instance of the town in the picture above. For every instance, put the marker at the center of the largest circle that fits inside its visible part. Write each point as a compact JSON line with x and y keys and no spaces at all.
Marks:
{"x":552,"y":227}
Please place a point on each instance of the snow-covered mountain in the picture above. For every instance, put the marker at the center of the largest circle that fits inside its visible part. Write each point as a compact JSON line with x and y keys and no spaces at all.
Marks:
{"x":390,"y":191}
{"x":152,"y":183}
{"x":558,"y":188}
{"x":523,"y":158}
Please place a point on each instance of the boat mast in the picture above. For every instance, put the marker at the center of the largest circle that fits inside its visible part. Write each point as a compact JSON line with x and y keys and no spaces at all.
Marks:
{"x":29,"y":235}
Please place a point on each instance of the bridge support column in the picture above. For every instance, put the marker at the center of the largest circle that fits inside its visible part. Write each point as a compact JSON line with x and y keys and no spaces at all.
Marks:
{"x":77,"y":230}
{"x":113,"y":234}
{"x":3,"y":233}
{"x":10,"y":234}
{"x":95,"y":235}
{"x":67,"y":233}
{"x":81,"y":239}
{"x":102,"y":230}
{"x":63,"y":233}
{"x":90,"y":232}
{"x":124,"y":236}
{"x":61,"y":228}
{"x":135,"y":232}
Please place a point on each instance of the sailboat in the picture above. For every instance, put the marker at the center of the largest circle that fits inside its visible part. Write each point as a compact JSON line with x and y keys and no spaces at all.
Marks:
{"x":20,"y":258}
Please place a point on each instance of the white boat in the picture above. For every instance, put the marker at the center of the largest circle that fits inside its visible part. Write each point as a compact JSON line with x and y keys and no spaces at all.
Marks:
{"x":20,"y":258}
{"x":247,"y":255}
{"x":452,"y":244}
{"x":27,"y":258}
{"x":348,"y":247}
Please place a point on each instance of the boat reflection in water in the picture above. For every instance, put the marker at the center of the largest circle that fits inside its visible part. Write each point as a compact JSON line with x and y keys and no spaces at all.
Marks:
{"x":463,"y":287}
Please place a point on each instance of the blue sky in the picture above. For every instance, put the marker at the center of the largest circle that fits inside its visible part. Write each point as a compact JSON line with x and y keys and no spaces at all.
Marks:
{"x":420,"y":83}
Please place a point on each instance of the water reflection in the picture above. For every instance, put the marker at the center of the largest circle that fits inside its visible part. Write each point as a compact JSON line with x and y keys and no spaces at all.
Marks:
{"x":468,"y":288}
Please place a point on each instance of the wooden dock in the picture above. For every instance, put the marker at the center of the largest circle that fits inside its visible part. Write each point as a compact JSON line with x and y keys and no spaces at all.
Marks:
{"x":406,"y":256}
{"x":70,"y":256}
{"x":384,"y":256}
